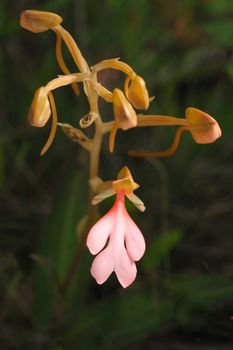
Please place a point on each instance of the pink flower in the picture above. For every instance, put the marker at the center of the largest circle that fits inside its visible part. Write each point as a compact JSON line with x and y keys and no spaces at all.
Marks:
{"x":117,"y":242}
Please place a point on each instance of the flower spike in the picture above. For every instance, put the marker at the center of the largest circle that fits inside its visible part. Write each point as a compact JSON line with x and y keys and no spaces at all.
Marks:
{"x":115,"y":239}
{"x":125,"y":241}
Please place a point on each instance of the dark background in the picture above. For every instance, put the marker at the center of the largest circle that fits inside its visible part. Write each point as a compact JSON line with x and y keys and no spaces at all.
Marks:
{"x":183,"y":295}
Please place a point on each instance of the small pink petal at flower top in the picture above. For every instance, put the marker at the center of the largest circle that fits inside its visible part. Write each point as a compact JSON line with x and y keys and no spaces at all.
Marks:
{"x":126,"y":245}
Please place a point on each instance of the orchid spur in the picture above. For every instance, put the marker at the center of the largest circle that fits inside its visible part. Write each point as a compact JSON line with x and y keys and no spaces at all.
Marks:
{"x":203,"y":128}
{"x":125,"y":241}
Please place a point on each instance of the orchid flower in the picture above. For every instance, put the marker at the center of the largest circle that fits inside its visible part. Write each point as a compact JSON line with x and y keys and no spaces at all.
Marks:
{"x":115,"y":238}
{"x":124,"y":113}
{"x":203,"y":128}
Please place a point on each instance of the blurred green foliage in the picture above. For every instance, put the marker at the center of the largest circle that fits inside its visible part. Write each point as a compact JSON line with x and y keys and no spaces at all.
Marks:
{"x":184,"y":288}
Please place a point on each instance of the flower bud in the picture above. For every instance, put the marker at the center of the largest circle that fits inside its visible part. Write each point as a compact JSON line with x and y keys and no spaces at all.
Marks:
{"x":124,"y":113}
{"x":40,"y":111}
{"x":203,"y":127}
{"x":39,"y":21}
{"x":137,"y":93}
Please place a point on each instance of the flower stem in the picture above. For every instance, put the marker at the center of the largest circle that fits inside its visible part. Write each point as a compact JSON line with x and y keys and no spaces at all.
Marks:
{"x":93,"y":173}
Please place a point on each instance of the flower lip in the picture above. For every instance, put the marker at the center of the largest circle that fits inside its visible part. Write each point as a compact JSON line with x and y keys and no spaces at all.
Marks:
{"x":203,"y":127}
{"x":125,"y":245}
{"x":39,"y":21}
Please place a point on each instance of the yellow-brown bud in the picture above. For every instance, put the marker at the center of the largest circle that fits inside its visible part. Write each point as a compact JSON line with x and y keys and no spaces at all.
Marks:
{"x":124,"y":113}
{"x":40,"y":111}
{"x":203,"y":127}
{"x":39,"y":21}
{"x":137,"y":92}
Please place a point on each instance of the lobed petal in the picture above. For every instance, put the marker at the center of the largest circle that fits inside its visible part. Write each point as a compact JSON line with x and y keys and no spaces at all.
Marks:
{"x":98,"y":235}
{"x":134,"y":240}
{"x":102,"y":266}
{"x":124,"y":268}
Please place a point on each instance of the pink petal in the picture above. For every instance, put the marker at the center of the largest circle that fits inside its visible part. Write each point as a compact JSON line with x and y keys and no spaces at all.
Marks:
{"x":121,"y":230}
{"x":102,"y":266}
{"x":98,"y":235}
{"x":134,"y":240}
{"x":124,"y":268}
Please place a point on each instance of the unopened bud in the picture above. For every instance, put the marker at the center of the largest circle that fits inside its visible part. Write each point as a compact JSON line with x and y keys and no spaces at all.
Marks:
{"x":123,"y":111}
{"x":39,"y":21}
{"x":137,"y":92}
{"x":203,"y":127}
{"x":40,"y":111}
